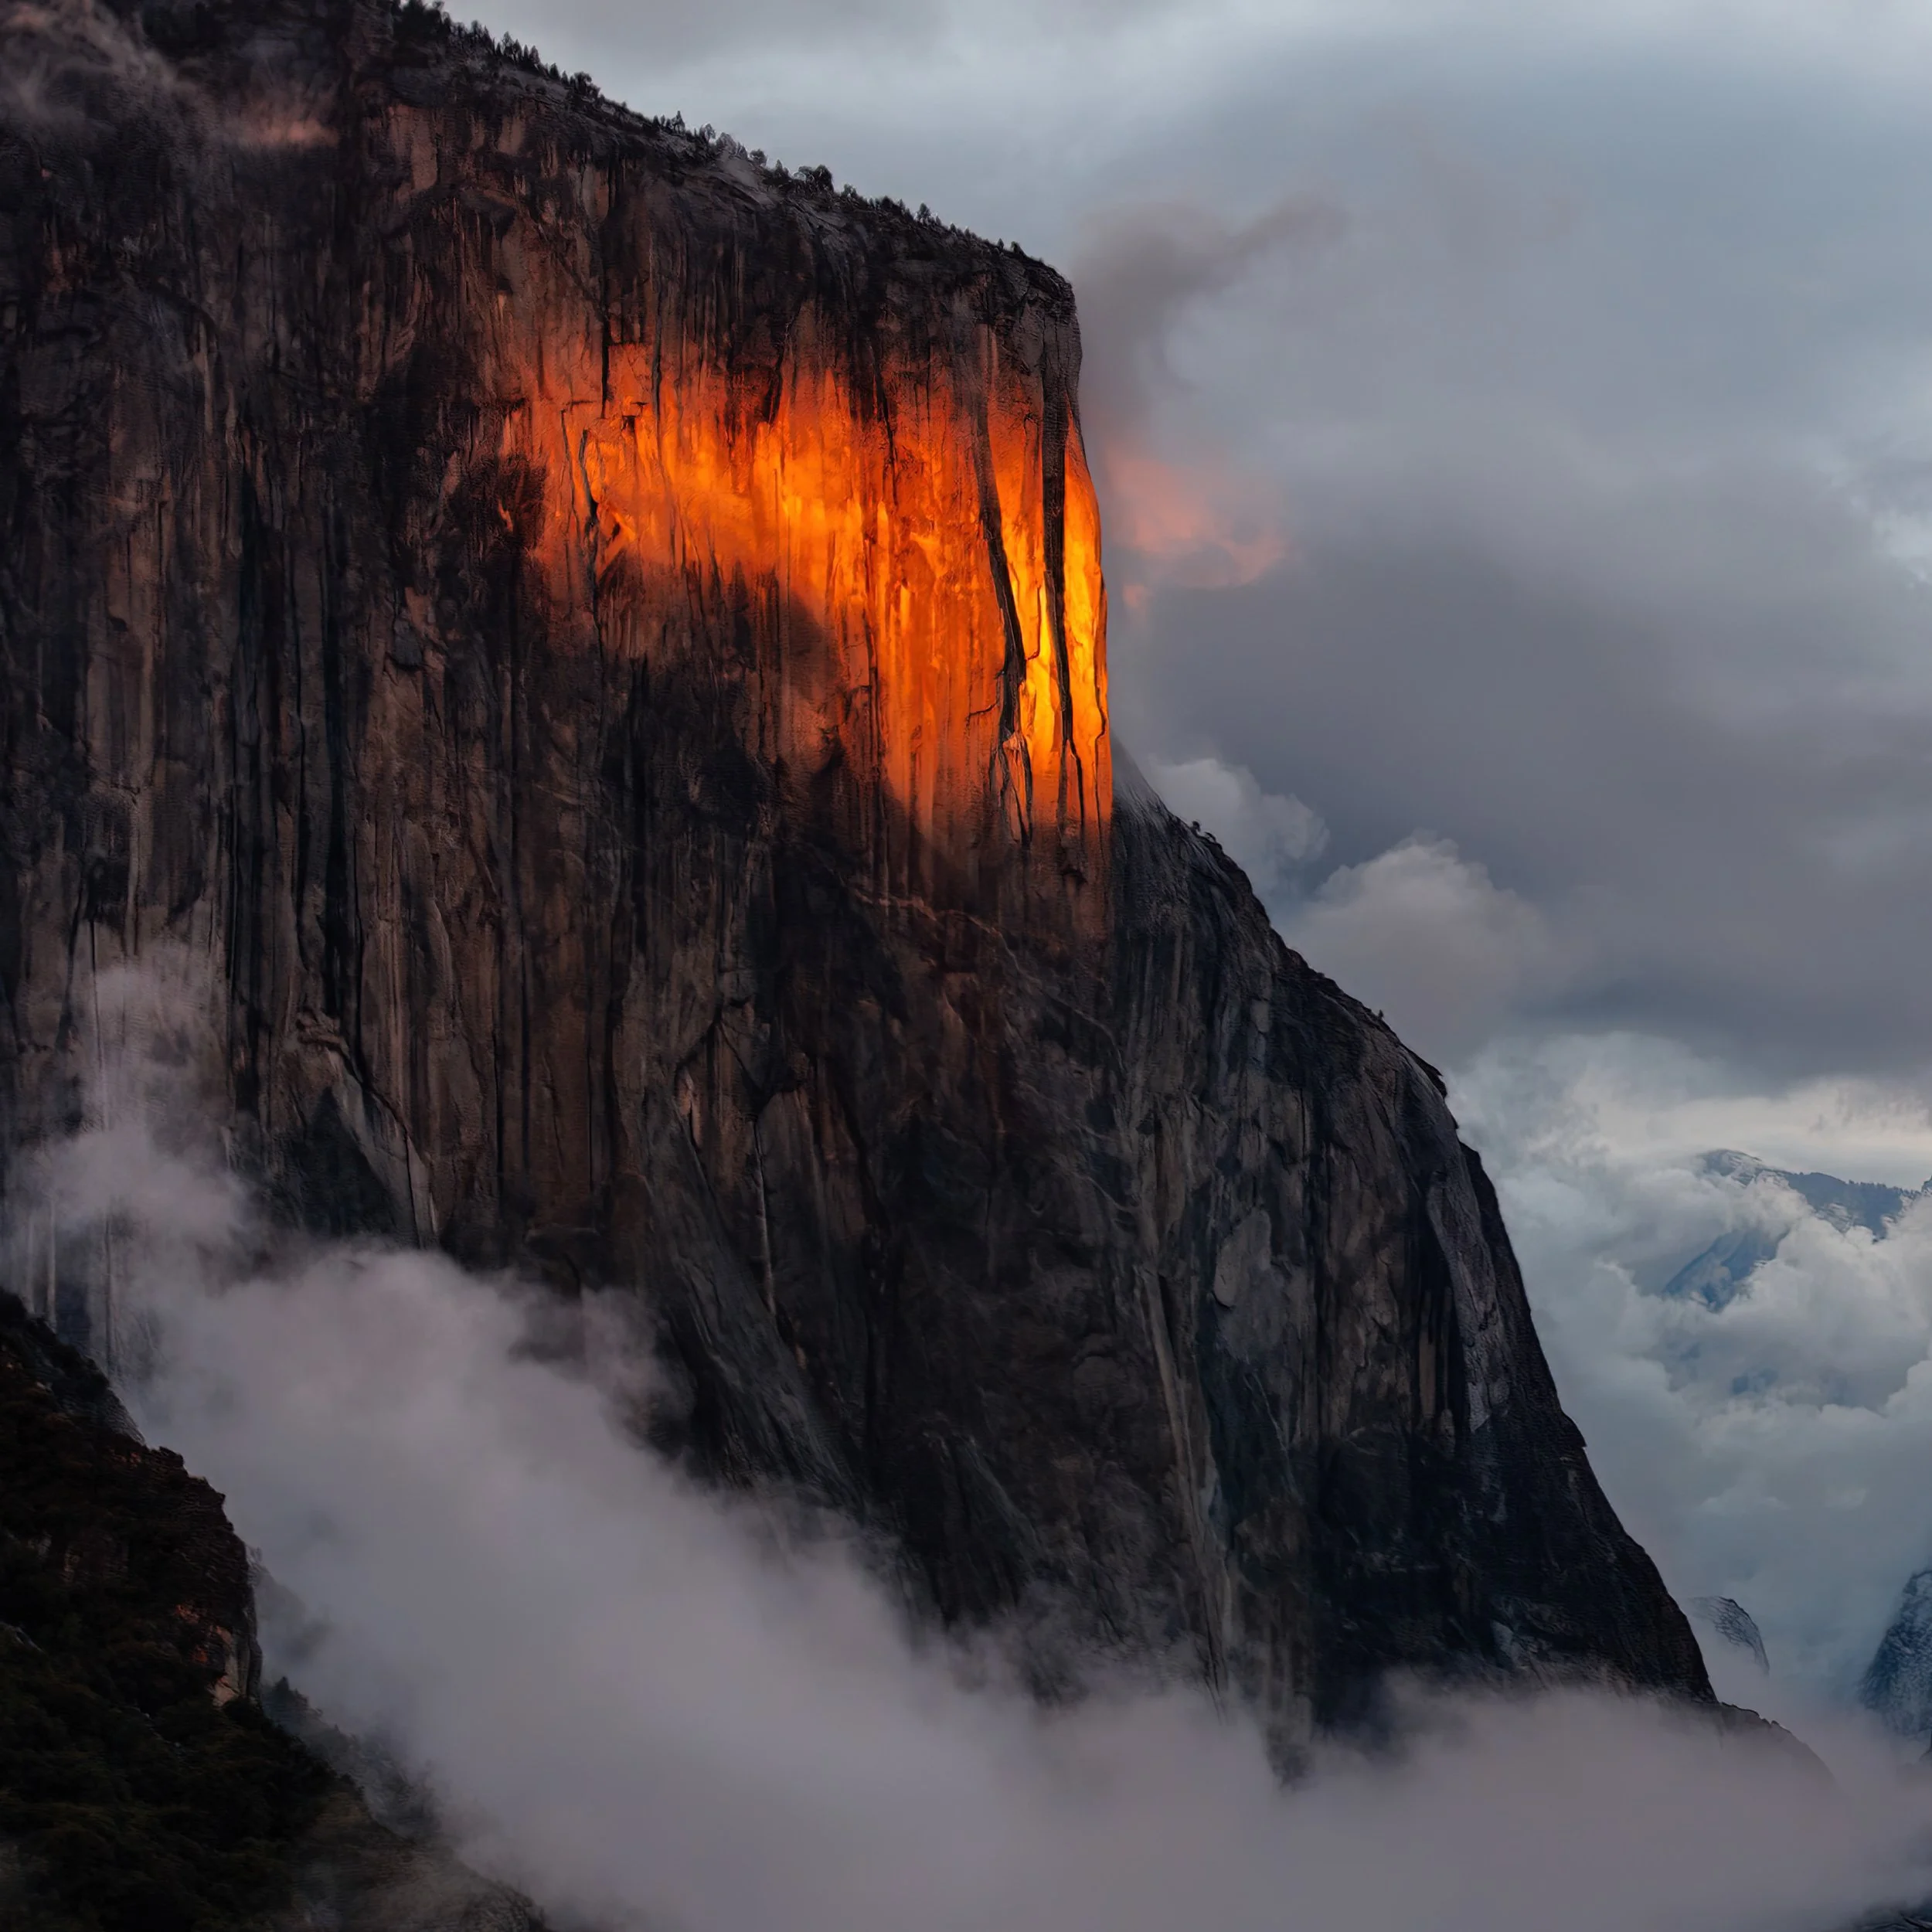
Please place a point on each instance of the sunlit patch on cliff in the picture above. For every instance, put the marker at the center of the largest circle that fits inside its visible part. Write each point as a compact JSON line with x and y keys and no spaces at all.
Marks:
{"x":266,"y":124}
{"x":941,"y":542}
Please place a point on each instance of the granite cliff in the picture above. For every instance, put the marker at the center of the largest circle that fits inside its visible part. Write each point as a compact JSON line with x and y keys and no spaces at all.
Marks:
{"x":596,"y":646}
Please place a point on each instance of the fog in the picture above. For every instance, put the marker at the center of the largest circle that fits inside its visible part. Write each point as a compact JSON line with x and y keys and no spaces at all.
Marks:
{"x":643,"y":1701}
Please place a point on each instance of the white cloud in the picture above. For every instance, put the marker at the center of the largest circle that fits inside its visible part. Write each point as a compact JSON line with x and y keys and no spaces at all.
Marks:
{"x":1633,"y":1097}
{"x":1426,"y":937}
{"x":1773,"y":1450}
{"x":1267,"y":833}
{"x":1420,"y":933}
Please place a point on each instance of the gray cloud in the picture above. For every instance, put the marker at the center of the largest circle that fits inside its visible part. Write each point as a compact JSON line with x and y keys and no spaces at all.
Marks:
{"x":1602,"y":464}
{"x":676,"y":31}
{"x":1140,"y":269}
{"x":1423,"y":935}
{"x":1714,"y":861}
{"x":750,"y":32}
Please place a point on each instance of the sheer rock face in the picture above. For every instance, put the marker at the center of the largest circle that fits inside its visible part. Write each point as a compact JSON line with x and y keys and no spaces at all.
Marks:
{"x":598,"y":649}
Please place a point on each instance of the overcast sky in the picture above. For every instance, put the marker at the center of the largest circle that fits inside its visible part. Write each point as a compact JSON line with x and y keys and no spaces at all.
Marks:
{"x":1515,"y":446}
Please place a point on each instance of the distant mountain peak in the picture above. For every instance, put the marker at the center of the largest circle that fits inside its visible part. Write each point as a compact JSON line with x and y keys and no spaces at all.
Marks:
{"x":1732,"y":1622}
{"x":1717,"y":1274}
{"x":1897,"y":1684}
{"x":1872,"y":1205}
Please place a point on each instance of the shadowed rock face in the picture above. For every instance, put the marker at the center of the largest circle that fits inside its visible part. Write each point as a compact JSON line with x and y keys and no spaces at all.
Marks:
{"x":597,"y":649}
{"x":1897,"y":1684}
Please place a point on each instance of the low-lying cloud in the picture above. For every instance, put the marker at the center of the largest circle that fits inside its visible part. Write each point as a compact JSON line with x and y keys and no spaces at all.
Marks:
{"x":648,"y":1704}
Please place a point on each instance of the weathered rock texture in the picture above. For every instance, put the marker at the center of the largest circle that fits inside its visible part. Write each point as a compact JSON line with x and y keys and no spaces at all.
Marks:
{"x":598,"y":648}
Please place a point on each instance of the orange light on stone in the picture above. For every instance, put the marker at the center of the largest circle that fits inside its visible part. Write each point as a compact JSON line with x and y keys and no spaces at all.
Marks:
{"x":929,"y":563}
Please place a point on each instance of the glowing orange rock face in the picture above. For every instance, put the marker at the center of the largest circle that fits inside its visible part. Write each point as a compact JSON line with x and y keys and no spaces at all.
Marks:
{"x":923,"y":567}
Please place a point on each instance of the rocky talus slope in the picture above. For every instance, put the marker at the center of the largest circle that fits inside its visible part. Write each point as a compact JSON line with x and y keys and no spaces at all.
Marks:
{"x":594,"y":646}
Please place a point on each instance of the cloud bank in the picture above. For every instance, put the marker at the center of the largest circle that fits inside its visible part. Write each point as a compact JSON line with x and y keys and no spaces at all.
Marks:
{"x":1773,"y":1450}
{"x":648,"y":1704}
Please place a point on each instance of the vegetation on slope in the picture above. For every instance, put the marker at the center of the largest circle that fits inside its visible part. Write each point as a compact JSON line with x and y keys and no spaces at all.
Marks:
{"x":131,"y":1799}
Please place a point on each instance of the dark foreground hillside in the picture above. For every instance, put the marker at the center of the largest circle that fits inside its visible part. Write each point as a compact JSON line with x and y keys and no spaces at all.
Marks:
{"x":142,"y":1789}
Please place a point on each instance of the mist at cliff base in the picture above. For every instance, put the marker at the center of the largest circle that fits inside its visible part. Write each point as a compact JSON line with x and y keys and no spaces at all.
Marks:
{"x":647,"y":1702}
